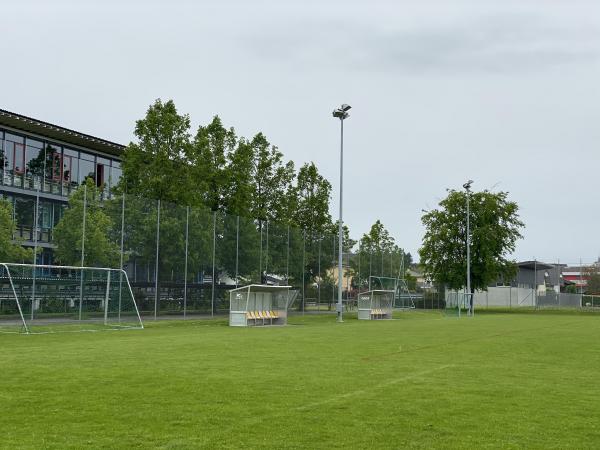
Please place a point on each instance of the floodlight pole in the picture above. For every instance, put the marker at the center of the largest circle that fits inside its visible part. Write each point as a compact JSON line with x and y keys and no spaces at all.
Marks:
{"x":341,"y":113}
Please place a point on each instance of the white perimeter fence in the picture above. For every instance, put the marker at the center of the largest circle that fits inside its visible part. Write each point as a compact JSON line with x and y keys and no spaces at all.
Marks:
{"x":518,"y":297}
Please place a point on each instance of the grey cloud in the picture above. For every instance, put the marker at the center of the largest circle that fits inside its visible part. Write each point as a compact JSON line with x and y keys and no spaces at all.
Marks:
{"x":496,"y":43}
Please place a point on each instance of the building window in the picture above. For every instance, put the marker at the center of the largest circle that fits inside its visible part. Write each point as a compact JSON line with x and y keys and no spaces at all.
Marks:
{"x":53,"y":167}
{"x":102,"y":171}
{"x":87,"y":167}
{"x":16,"y":158}
{"x":115,"y":174}
{"x":70,"y":170}
{"x":2,"y":158}
{"x":24,"y":214}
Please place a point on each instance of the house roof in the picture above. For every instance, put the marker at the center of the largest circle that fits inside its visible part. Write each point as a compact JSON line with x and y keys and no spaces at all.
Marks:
{"x":534,"y":265}
{"x":30,"y":125}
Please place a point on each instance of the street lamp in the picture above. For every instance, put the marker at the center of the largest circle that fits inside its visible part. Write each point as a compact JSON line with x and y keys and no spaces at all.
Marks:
{"x":341,"y":113}
{"x":467,"y":187}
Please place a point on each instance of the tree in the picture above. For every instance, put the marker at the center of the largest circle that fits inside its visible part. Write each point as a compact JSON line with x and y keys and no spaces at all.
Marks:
{"x":155,"y":166}
{"x":495,"y":229}
{"x":310,"y":200}
{"x":347,"y":242}
{"x":207,"y":157}
{"x":240,"y":185}
{"x":100,"y":249}
{"x":11,"y":250}
{"x":379,"y":256}
{"x":592,"y":274}
{"x":272,"y":179}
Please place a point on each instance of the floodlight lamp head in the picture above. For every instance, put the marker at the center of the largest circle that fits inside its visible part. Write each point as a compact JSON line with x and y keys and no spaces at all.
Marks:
{"x":467,"y":185}
{"x":342,"y":112}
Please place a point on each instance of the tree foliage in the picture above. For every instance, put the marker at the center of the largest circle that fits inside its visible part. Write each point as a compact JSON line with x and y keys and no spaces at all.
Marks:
{"x":378,"y":255}
{"x":11,"y":250}
{"x":154,"y":166}
{"x":592,"y":274}
{"x":310,"y":200}
{"x":495,"y":229}
{"x":100,"y":249}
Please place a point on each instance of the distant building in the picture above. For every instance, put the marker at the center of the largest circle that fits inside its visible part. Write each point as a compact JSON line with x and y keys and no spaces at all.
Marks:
{"x":39,"y":160}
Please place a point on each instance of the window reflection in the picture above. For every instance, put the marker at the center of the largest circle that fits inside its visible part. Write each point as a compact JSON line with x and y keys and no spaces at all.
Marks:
{"x":115,"y":174}
{"x":70,"y":164}
{"x":52,"y":169}
{"x":34,"y":164}
{"x":87,"y":167}
{"x":24,"y":212}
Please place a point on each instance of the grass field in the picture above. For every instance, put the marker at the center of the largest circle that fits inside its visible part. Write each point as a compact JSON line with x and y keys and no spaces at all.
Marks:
{"x":422,"y":381}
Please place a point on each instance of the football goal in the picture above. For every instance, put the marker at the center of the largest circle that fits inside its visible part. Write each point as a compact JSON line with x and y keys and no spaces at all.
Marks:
{"x":374,"y":305}
{"x":259,"y":304}
{"x":46,"y":298}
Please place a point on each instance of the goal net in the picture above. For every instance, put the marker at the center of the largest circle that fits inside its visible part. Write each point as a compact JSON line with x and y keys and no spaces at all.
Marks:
{"x":44,"y":298}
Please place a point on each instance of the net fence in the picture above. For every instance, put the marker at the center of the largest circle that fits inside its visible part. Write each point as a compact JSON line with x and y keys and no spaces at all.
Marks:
{"x":182,"y":260}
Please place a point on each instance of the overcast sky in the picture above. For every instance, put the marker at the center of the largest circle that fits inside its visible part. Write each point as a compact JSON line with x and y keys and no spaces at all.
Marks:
{"x":503,"y":92}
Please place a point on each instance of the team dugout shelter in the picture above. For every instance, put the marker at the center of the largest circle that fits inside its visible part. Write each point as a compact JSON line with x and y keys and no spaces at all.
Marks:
{"x":258,"y":305}
{"x":375,"y":305}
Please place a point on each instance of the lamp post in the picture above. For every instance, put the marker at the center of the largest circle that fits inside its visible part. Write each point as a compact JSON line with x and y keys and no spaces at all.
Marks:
{"x":467,"y":187}
{"x":342,"y":114}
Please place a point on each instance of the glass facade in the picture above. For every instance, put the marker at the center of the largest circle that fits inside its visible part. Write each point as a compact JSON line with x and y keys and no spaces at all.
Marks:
{"x":47,"y":169}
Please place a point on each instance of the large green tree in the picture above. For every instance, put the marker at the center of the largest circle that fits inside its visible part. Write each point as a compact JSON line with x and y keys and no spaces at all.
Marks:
{"x":378,"y":255}
{"x":207,"y":159}
{"x":495,"y":228}
{"x":310,"y":200}
{"x":99,"y":250}
{"x":155,"y":166}
{"x":272,"y":181}
{"x":10,"y":249}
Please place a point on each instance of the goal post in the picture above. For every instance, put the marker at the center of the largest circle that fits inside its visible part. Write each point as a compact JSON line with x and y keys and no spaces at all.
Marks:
{"x":48,"y":298}
{"x":10,"y":297}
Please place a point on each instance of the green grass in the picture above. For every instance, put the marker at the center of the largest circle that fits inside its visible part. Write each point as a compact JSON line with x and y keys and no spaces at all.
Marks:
{"x":422,"y":381}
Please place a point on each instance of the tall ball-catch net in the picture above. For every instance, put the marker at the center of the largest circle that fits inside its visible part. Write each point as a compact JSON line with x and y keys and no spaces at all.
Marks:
{"x":43,"y":298}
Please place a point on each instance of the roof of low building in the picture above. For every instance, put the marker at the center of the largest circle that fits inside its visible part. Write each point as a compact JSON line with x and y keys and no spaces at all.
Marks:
{"x":39,"y":127}
{"x":534,"y":265}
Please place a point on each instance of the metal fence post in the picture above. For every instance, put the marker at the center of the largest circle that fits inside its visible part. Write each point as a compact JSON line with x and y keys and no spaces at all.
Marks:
{"x":319,"y":283}
{"x":303,"y":269}
{"x":267,"y":252}
{"x":370,"y":264}
{"x":333,"y":299}
{"x":358,"y":284}
{"x":121,"y":256}
{"x":185,"y":269}
{"x":237,"y":250}
{"x":287,"y":258}
{"x":212,"y":298}
{"x":156,"y":262}
{"x":35,"y":245}
{"x":82,"y":249}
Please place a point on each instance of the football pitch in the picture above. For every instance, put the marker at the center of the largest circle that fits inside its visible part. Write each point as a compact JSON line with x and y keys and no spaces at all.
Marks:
{"x":421,"y":381}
